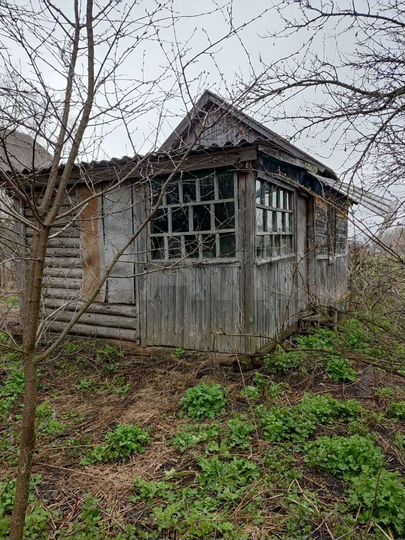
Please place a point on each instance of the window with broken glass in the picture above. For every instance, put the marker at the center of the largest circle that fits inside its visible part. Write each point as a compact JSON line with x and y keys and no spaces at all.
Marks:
{"x":196,"y":219}
{"x":274,"y":221}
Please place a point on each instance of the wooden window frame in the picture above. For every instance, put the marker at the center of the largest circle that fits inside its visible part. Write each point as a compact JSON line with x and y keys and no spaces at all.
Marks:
{"x":276,"y":209}
{"x":213,"y":231}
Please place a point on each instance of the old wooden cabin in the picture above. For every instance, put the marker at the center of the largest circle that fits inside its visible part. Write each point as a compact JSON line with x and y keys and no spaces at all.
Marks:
{"x":250,"y":235}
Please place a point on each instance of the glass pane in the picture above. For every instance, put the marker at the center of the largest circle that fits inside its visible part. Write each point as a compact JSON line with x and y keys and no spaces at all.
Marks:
{"x":267,"y":246}
{"x":259,"y":247}
{"x":191,"y":245}
{"x":281,"y":201}
{"x":267,"y":220}
{"x":266,"y":194}
{"x":155,"y":186}
{"x":259,"y":220}
{"x":276,"y":246}
{"x":208,"y":246}
{"x":290,"y":222}
{"x":279,"y":221}
{"x":285,"y":222}
{"x":160,"y":222}
{"x":189,"y":191}
{"x":258,"y":191}
{"x":158,"y":247}
{"x":273,"y":221}
{"x":207,"y":188}
{"x":202,"y":217}
{"x":180,"y":219}
{"x":172,"y":194}
{"x":273,"y":196}
{"x":278,"y":198}
{"x":175,"y":247}
{"x":290,"y":200}
{"x":227,"y":245}
{"x":225,"y":215}
{"x":225,"y":186}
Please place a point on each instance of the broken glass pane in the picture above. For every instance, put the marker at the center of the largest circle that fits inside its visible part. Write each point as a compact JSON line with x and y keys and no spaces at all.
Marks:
{"x":227,"y":245}
{"x":207,"y":188}
{"x":225,"y":186}
{"x":180,"y":219}
{"x":202,"y":217}
{"x":225,"y":215}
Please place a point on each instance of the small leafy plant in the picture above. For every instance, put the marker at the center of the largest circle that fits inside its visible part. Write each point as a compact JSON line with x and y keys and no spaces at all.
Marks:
{"x":86,"y":385}
{"x":204,"y":401}
{"x":179,"y":353}
{"x":380,"y":498}
{"x":397,"y":410}
{"x":346,"y":457}
{"x":280,"y":362}
{"x":340,"y":370}
{"x":121,"y":444}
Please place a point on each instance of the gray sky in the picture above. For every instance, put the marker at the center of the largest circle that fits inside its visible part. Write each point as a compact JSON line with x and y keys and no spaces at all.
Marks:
{"x":234,"y":59}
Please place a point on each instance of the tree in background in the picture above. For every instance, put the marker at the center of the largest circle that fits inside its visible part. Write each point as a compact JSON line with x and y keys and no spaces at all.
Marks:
{"x":349,"y":75}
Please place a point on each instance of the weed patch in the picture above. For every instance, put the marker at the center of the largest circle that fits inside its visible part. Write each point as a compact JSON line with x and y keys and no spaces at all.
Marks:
{"x":204,"y":401}
{"x":121,"y":444}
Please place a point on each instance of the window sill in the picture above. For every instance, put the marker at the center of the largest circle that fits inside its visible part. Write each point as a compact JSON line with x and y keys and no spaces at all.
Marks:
{"x":181,"y":263}
{"x":275,"y":259}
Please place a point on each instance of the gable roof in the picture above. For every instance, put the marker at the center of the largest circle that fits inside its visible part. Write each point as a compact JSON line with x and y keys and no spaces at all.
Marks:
{"x":213,"y":121}
{"x":19,"y":150}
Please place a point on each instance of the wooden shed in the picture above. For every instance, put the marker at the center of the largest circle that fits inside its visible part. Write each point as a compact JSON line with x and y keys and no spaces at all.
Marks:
{"x":250,"y":236}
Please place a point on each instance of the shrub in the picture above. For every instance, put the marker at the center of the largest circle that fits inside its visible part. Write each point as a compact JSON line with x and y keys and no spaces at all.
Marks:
{"x":149,"y":491}
{"x":121,"y":443}
{"x":397,"y":410}
{"x":381,"y":500}
{"x":340,"y":370}
{"x":346,"y":457}
{"x":204,"y":401}
{"x":179,"y":353}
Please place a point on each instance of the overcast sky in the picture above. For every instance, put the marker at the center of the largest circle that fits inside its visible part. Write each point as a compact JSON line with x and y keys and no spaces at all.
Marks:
{"x":234,"y":60}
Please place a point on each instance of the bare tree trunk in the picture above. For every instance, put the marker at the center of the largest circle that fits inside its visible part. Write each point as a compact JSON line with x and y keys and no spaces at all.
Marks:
{"x":31,"y":317}
{"x":27,"y":446}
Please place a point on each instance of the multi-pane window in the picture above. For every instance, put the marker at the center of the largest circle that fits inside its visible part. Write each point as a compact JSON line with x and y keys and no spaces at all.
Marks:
{"x":274,"y":220}
{"x":196,"y":218}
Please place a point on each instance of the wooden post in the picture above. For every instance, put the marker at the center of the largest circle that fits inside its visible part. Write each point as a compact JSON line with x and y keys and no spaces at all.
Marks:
{"x":247,"y":234}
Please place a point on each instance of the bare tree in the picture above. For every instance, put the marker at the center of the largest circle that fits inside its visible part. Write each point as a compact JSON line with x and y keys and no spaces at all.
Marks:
{"x":75,"y":90}
{"x":348,"y":74}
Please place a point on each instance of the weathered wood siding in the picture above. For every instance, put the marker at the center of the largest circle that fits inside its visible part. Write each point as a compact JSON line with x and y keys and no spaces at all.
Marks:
{"x":276,"y":302}
{"x":193,"y":307}
{"x":331,"y":279}
{"x":70,"y":255}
